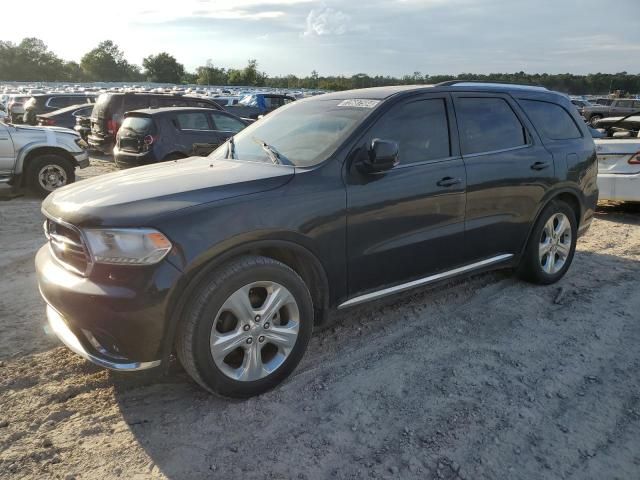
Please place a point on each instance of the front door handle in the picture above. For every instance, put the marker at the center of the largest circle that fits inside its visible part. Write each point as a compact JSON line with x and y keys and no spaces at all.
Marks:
{"x":448,"y":182}
{"x":540,"y":165}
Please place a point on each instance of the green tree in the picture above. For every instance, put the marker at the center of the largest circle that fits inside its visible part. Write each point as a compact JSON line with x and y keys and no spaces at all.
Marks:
{"x":106,"y":63}
{"x":163,"y":68}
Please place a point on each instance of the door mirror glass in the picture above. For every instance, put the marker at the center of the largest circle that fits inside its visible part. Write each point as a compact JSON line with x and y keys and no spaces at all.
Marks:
{"x":382,"y":156}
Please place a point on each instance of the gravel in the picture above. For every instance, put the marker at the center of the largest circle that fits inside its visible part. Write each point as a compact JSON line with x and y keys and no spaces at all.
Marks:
{"x":487,"y":377}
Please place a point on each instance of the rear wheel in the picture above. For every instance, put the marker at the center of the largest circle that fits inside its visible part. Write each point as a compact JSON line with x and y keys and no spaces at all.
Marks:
{"x":247,"y":328}
{"x":551,"y":246}
{"x":47,"y":173}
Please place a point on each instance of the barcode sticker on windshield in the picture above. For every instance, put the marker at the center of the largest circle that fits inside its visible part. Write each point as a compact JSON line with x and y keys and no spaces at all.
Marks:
{"x":359,"y":102}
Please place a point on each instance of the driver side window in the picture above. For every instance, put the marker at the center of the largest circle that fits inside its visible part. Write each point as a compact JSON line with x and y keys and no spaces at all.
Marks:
{"x":420,"y":128}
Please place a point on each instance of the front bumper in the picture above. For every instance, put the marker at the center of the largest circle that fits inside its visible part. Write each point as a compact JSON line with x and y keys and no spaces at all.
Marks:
{"x":619,"y":187}
{"x":59,"y":326}
{"x":82,"y":158}
{"x":116,"y":317}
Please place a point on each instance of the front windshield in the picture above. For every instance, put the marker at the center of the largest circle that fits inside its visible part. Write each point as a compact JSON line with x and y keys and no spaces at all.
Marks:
{"x":303,"y":133}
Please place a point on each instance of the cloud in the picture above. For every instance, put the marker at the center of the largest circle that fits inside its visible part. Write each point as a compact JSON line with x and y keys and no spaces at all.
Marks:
{"x":327,"y":21}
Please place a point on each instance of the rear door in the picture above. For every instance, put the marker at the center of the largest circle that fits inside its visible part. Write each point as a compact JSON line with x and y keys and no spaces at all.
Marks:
{"x":7,"y":153}
{"x":508,"y":173}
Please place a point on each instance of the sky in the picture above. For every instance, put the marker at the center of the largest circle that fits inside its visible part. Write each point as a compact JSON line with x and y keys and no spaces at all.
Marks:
{"x":386,"y":37}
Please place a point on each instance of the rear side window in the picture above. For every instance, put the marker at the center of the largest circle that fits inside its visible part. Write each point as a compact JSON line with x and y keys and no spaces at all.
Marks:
{"x":488,"y":124}
{"x":135,"y":102}
{"x":420,"y":128}
{"x":551,"y":120}
{"x":193,"y":121}
{"x":624,"y":103}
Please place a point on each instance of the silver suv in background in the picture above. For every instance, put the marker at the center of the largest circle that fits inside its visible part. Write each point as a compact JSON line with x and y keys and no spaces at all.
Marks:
{"x":40,"y":158}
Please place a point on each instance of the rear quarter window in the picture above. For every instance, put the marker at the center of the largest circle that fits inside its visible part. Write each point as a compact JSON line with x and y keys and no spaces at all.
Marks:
{"x":551,"y":120}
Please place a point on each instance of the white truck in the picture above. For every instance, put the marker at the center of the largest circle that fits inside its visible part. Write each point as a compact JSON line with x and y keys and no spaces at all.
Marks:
{"x":40,"y":158}
{"x":618,"y":152}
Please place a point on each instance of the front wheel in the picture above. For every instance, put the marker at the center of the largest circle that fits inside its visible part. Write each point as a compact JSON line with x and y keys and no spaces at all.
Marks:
{"x":247,"y":327}
{"x":47,"y":173}
{"x":551,"y":246}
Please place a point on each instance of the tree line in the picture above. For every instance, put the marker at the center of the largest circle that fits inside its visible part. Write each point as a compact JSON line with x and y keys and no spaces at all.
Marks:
{"x":32,"y":61}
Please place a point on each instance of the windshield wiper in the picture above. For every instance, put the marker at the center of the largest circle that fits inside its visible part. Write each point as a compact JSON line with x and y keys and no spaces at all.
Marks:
{"x":231,"y":149}
{"x":276,"y":157}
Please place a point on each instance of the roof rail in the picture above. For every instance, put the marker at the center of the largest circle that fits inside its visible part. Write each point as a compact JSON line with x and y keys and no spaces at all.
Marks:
{"x":469,"y":83}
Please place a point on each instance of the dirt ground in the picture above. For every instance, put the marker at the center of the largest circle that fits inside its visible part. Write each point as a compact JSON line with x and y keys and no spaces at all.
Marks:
{"x":483,"y":378}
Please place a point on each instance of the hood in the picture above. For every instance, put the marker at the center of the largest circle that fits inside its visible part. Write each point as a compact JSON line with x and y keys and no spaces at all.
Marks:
{"x":29,"y":128}
{"x":133,"y":197}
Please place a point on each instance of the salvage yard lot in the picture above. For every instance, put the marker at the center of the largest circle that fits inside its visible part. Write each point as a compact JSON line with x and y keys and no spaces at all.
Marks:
{"x":484,"y":378}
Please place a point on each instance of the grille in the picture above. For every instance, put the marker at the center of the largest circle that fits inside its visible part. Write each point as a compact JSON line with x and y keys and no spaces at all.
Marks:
{"x":67,"y":246}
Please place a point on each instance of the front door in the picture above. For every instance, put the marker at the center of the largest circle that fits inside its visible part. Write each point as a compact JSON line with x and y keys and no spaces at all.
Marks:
{"x":508,"y":173}
{"x":408,"y":222}
{"x":7,"y":153}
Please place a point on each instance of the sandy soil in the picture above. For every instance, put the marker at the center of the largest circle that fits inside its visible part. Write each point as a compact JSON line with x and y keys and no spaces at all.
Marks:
{"x":483,"y":378}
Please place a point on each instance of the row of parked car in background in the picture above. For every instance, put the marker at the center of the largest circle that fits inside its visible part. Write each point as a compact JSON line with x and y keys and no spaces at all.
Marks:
{"x":141,"y":125}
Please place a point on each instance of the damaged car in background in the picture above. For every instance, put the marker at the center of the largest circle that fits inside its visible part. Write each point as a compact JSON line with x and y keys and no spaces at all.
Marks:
{"x":618,"y":149}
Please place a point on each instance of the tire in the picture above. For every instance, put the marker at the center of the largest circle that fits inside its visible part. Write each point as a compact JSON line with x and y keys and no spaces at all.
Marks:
{"x":551,"y":246}
{"x":594,"y":119}
{"x":220,"y":311}
{"x":58,"y":166}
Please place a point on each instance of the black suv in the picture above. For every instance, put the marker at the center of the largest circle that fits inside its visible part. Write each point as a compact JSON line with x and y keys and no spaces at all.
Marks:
{"x":50,"y":102}
{"x":150,"y":136}
{"x":110,"y":108}
{"x":329,"y":202}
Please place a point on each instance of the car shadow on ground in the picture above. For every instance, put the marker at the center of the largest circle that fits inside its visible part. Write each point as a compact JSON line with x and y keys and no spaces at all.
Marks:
{"x":619,"y":212}
{"x":466,"y":378}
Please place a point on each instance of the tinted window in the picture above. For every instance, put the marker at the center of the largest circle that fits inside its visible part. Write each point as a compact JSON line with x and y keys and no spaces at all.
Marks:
{"x":137,"y":125}
{"x":624,"y":103}
{"x":227,"y":123}
{"x":488,"y":124}
{"x":193,"y":121}
{"x":60,"y":102}
{"x":420,"y":129}
{"x":135,"y":103}
{"x":170,"y":102}
{"x":551,"y":120}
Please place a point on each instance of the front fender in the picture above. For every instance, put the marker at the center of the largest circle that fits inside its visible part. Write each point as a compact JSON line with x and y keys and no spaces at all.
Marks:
{"x":66,"y":147}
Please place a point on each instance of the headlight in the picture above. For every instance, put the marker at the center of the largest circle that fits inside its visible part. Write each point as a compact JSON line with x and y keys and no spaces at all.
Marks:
{"x":124,"y":246}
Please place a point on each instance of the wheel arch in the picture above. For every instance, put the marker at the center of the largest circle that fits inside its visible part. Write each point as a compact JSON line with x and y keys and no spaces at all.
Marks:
{"x":35,"y":151}
{"x":567,"y":195}
{"x":297,"y":257}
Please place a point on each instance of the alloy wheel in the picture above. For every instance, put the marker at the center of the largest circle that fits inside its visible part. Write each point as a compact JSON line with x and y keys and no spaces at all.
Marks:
{"x":254,"y":331}
{"x":51,"y":177}
{"x":555,"y":243}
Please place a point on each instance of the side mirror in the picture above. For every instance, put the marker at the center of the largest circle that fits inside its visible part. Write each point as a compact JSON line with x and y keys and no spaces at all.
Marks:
{"x":381,"y":157}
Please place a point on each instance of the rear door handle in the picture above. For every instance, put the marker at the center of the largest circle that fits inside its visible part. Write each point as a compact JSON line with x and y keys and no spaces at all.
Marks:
{"x":448,"y":182}
{"x":540,"y":165}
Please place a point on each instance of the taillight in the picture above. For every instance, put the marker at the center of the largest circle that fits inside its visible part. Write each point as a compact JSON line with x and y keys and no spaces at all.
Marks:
{"x":112,"y":127}
{"x":47,"y":122}
{"x":635,"y":159}
{"x":148,"y":140}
